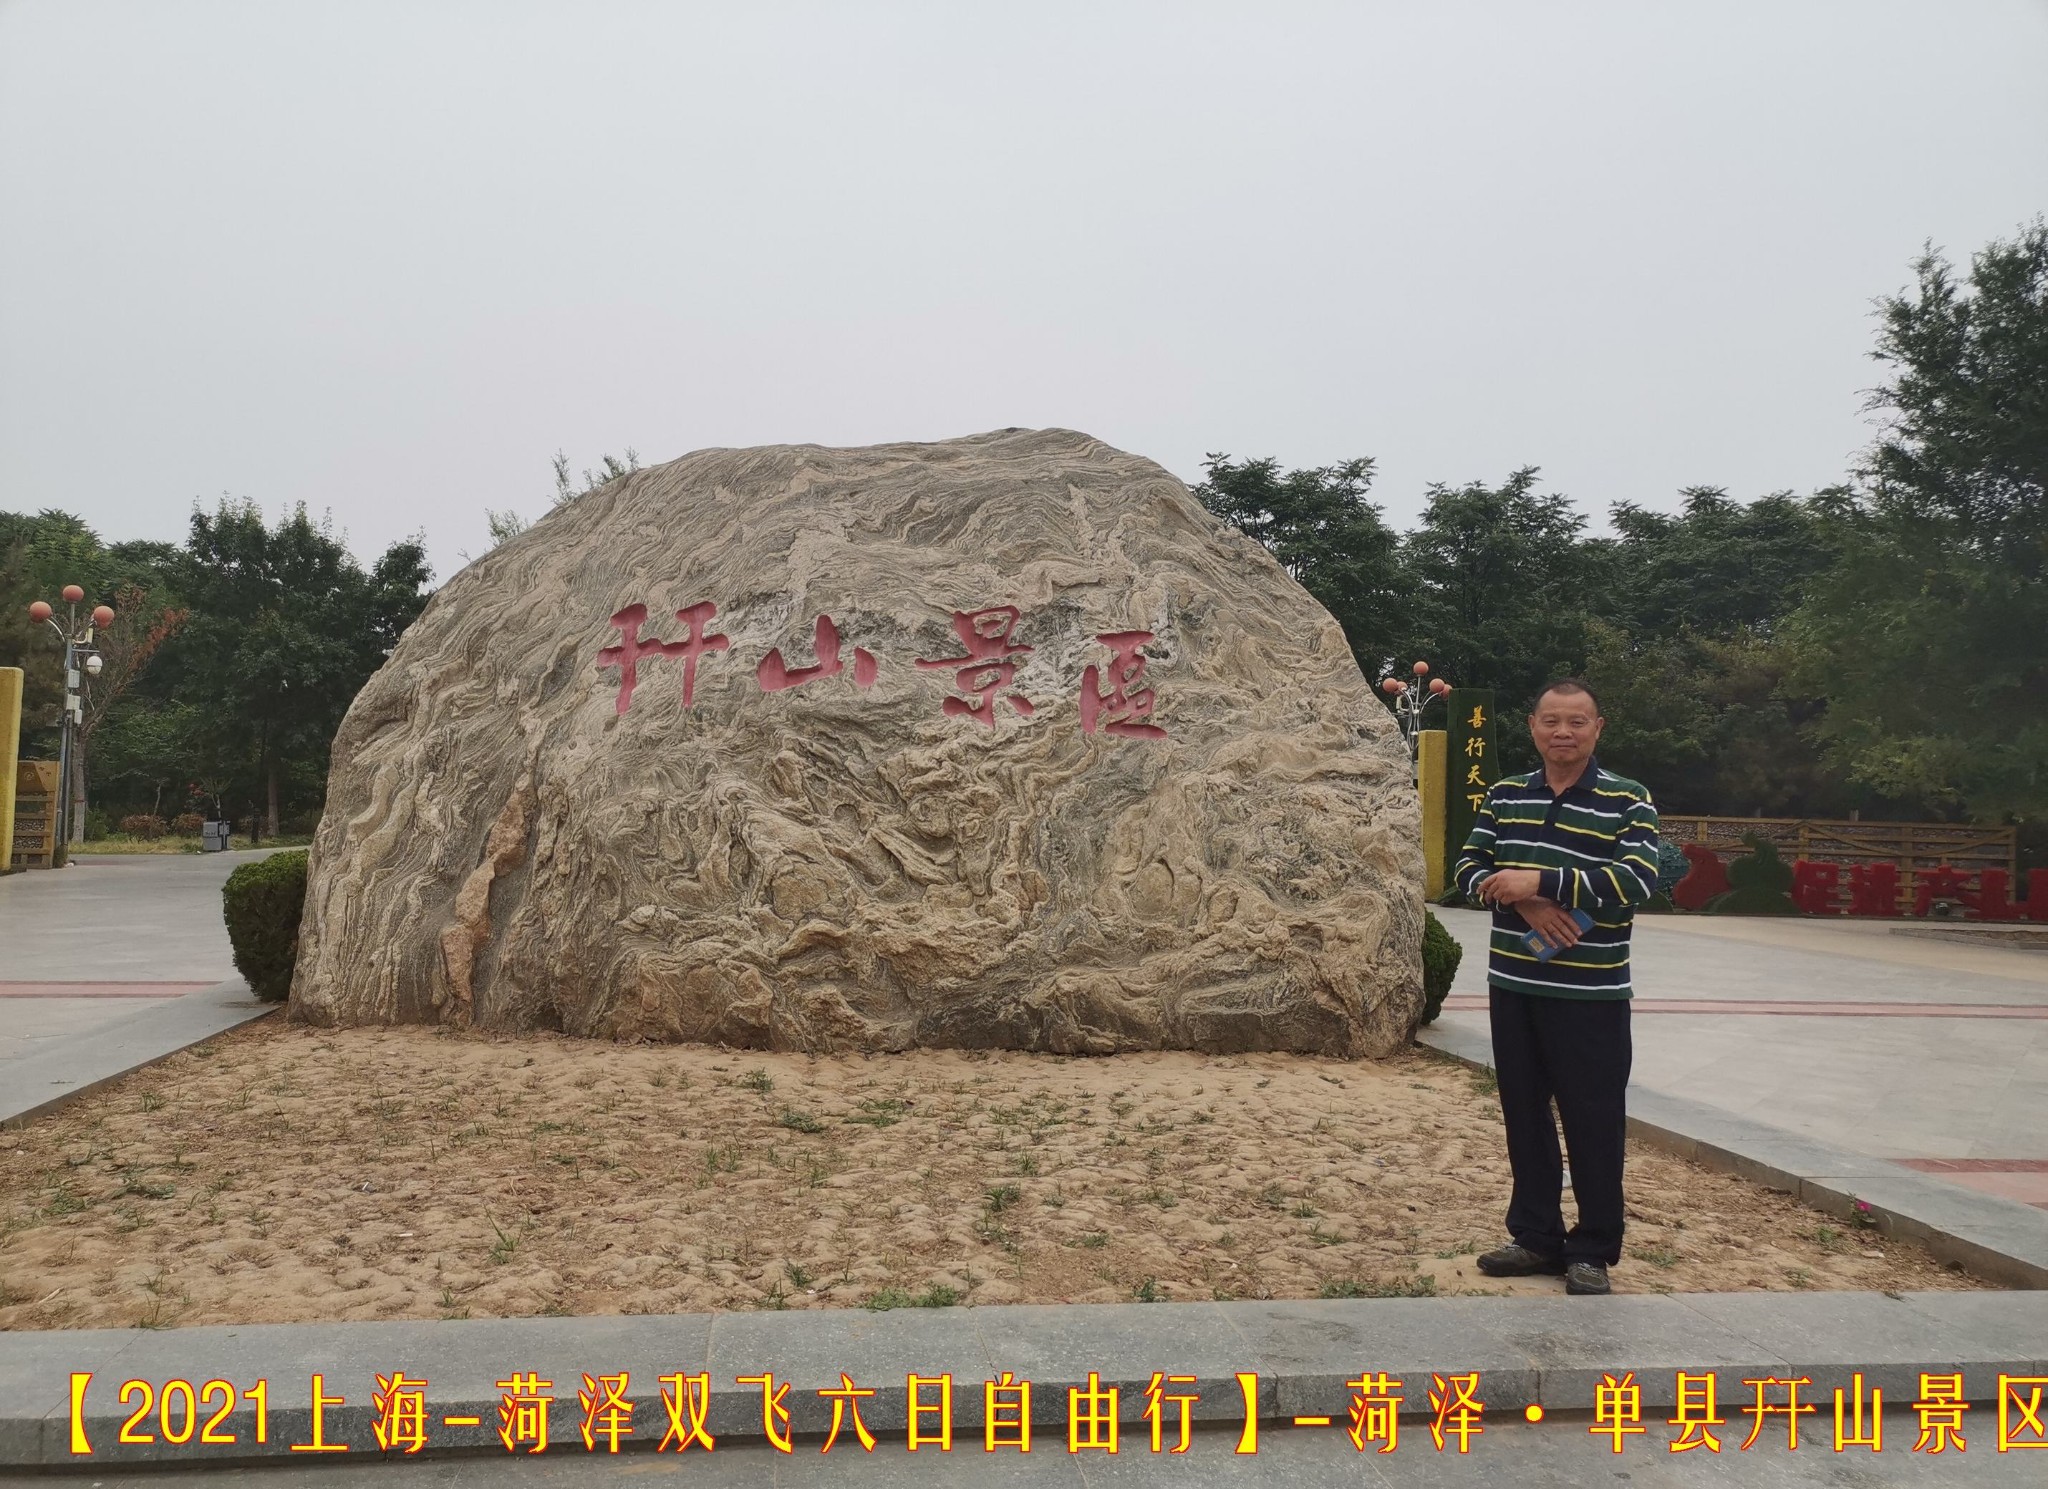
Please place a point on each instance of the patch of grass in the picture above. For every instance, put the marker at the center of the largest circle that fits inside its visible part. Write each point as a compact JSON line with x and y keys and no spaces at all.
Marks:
{"x":1799,"y":1277}
{"x":880,"y":1111}
{"x":936,"y":1295}
{"x":797,"y":1121}
{"x":1303,"y":1210}
{"x":723,"y":1160}
{"x":798,"y":1277}
{"x":148,"y":1190}
{"x":1002,"y":1197}
{"x":1656,"y":1256}
{"x":1094,"y":1240}
{"x":504,"y":1246}
{"x":1146,"y":1291}
{"x":1026,"y":1164}
{"x":152,"y":1101}
{"x":758,"y":1080}
{"x":1384,"y":1287}
{"x":1484,"y":1083}
{"x":63,"y":1201}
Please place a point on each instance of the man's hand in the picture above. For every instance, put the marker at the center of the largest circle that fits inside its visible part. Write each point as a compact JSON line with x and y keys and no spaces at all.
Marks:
{"x":1550,"y":920}
{"x":1509,"y":886}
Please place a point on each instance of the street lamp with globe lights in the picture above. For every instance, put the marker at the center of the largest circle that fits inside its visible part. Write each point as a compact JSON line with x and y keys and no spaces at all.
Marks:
{"x":1409,"y":701}
{"x":79,"y":652}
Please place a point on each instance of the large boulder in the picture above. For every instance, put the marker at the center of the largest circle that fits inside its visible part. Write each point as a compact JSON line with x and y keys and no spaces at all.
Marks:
{"x":1002,"y":741}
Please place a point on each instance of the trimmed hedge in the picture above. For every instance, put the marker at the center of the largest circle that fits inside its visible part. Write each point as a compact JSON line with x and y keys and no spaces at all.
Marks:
{"x":262,"y":902}
{"x":1441,"y":954}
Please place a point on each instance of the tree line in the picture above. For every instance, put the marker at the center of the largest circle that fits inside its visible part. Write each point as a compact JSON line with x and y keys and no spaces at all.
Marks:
{"x":229,"y":665}
{"x":1878,"y":646}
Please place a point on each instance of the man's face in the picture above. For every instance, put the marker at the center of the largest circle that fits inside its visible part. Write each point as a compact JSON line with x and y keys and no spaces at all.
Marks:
{"x":1565,"y":727}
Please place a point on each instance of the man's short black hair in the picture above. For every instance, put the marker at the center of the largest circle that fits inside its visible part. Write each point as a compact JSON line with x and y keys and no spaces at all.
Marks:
{"x":1566,"y":685}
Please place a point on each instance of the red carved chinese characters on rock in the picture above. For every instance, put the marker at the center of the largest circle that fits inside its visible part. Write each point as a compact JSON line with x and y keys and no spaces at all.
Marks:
{"x":1124,"y":709}
{"x":627,"y":654}
{"x":988,"y":667}
{"x":775,"y":675}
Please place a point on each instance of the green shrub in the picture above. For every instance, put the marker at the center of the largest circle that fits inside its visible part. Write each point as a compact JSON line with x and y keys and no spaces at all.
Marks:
{"x":262,"y":902}
{"x":1441,"y":954}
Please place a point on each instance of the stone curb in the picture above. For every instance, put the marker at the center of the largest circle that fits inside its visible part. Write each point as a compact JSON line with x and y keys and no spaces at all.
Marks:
{"x":1548,"y":1351}
{"x":79,"y":1063}
{"x":2000,"y":1240}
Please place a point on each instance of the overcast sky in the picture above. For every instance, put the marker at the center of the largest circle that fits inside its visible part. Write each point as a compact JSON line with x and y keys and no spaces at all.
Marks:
{"x":385,"y":259}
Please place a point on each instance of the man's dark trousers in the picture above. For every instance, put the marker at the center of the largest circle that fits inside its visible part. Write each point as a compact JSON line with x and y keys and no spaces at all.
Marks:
{"x":1576,"y":1050}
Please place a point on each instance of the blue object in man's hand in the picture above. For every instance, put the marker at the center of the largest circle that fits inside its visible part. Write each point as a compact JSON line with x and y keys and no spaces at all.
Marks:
{"x":1544,"y":950}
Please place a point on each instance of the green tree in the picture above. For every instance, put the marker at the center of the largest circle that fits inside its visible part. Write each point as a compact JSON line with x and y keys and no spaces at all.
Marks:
{"x":285,"y":628}
{"x":1329,"y":536}
{"x":29,"y":645}
{"x":1924,"y":637}
{"x":1502,"y":579}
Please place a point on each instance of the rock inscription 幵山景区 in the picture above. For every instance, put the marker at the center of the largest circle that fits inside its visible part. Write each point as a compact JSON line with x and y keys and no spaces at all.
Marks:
{"x":994,"y":742}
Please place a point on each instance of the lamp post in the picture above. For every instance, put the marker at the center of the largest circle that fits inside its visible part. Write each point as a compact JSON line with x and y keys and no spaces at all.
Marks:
{"x":1409,"y":701}
{"x":79,"y":652}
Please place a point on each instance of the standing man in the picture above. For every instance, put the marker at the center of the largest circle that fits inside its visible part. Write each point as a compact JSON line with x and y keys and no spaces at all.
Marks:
{"x":1569,"y":837}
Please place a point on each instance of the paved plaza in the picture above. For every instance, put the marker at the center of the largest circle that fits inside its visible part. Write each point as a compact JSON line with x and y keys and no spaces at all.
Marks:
{"x":115,"y":953}
{"x":1927,"y":1052}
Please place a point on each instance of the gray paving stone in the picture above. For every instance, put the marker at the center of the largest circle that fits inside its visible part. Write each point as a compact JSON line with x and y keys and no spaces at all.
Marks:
{"x":811,"y":1348}
{"x":1308,"y":1350}
{"x":1575,"y":1342}
{"x":1829,"y":1337}
{"x":1124,"y":1343}
{"x":68,"y":1068}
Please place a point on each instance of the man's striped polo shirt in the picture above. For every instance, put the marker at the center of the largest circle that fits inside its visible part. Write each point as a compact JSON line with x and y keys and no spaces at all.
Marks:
{"x":1595,"y":847}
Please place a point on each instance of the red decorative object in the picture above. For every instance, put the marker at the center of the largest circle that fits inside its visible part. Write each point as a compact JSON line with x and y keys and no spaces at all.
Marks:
{"x":1707,"y":878}
{"x":990,"y":663}
{"x":774,"y":675}
{"x":103,"y":616}
{"x":1993,"y":899}
{"x":1873,"y":889}
{"x":627,"y":654}
{"x":1125,"y":705}
{"x":39,"y":611}
{"x":1815,"y":885}
{"x":73,"y":593}
{"x":1943,"y":883}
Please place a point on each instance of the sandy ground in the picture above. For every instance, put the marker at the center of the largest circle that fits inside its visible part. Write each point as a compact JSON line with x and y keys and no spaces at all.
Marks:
{"x":284,"y":1173}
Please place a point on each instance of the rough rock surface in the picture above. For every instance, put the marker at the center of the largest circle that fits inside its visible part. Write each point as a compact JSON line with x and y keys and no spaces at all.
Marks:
{"x":846,"y":860}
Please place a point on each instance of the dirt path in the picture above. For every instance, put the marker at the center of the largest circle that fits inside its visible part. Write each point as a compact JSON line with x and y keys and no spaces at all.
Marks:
{"x":286,"y":1173}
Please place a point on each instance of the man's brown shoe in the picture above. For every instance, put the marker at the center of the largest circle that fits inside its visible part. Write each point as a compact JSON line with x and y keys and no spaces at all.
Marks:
{"x":1586,"y":1279}
{"x":1519,"y":1261}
